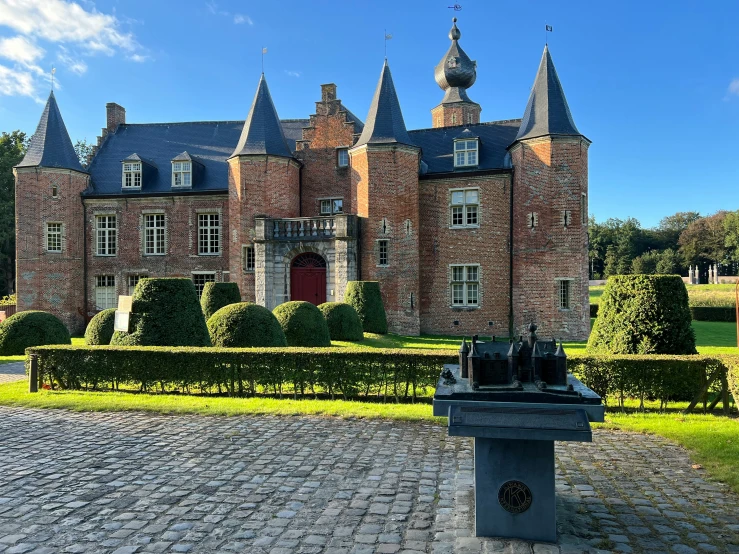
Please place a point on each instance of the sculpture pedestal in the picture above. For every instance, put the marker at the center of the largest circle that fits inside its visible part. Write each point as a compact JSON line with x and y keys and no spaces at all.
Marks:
{"x":514,"y":489}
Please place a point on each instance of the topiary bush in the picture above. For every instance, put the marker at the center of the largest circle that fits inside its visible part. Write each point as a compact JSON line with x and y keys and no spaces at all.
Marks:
{"x":343,"y":321}
{"x":643,"y":314}
{"x":32,"y":328}
{"x":217,"y":295}
{"x":303,"y":324}
{"x":166,"y":312}
{"x":365,"y":298}
{"x":245,"y":324}
{"x":100,"y":329}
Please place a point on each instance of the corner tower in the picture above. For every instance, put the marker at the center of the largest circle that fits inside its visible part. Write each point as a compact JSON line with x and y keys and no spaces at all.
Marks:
{"x":49,"y":223}
{"x":455,"y":73}
{"x":263,"y":179}
{"x":385,"y":165}
{"x":550,"y":214}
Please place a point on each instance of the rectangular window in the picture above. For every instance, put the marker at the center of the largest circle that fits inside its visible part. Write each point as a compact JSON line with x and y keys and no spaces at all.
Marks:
{"x":106,"y":228}
{"x":131,"y":175}
{"x":342,"y":157}
{"x":565,"y":286}
{"x":464,"y":208}
{"x":200,"y":279}
{"x":382,"y":252}
{"x":465,"y":285}
{"x":155,"y":230}
{"x":53,"y":237}
{"x":209,"y":234}
{"x":249,"y":258}
{"x":583,"y":209}
{"x":105,"y":292}
{"x":133,"y":280}
{"x":465,"y":153}
{"x":181,"y":174}
{"x":331,"y":206}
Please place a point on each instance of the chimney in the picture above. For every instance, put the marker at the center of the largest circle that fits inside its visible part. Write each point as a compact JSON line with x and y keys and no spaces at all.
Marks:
{"x":328,"y":92}
{"x":116,"y":116}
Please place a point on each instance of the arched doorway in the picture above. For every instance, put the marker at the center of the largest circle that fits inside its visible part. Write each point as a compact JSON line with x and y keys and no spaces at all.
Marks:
{"x":308,"y":278}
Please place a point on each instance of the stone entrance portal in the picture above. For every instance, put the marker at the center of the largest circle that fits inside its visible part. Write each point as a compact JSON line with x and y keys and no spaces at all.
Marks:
{"x":308,"y":278}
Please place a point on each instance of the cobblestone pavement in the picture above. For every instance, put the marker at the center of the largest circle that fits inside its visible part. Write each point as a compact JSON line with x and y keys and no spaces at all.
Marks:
{"x":129,"y":482}
{"x":14,"y":371}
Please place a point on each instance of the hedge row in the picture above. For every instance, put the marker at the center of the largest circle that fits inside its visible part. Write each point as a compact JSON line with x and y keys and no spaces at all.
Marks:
{"x":239,"y":372}
{"x":698,"y":313}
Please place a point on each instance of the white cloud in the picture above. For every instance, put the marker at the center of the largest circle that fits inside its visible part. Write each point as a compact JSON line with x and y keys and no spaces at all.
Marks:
{"x":240,"y":18}
{"x":20,"y":49}
{"x":17,"y":82}
{"x":734,"y":87}
{"x":292,"y":73}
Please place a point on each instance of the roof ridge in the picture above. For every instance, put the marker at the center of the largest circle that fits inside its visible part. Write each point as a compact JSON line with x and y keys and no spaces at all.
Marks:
{"x":208,"y":122}
{"x":488,"y":123}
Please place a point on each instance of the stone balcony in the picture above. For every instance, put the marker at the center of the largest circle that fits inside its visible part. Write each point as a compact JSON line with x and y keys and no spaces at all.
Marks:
{"x":340,"y":226}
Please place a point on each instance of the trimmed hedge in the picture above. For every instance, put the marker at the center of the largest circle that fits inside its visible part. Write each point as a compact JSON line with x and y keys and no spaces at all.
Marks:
{"x":166,"y":312}
{"x":303,"y":324}
{"x":643,"y":314}
{"x":732,"y":374}
{"x":366,"y":299}
{"x":713,"y":313}
{"x":217,"y":295}
{"x":244,"y":325}
{"x":349,"y":373}
{"x":343,"y":321}
{"x":100,"y":329}
{"x":31,"y":328}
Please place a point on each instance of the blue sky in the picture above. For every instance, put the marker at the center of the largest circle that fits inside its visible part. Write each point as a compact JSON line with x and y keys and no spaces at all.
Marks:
{"x":654,"y":85}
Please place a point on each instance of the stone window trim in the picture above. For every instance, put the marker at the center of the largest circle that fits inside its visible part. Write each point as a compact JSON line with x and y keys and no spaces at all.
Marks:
{"x":466,"y":152}
{"x":131,"y":176}
{"x":248,"y":262}
{"x":133,"y":279}
{"x":181,"y":175}
{"x":210,"y":245}
{"x":383,"y":253}
{"x":99,"y":232}
{"x":583,"y":209}
{"x":105,"y":292}
{"x":566,"y":218}
{"x":199,"y":278}
{"x":145,"y":214}
{"x":532,"y":220}
{"x":54,"y":239}
{"x":342,"y":157}
{"x":464,"y":286}
{"x":464,"y":208}
{"x":331,"y":205}
{"x":564,"y":293}
{"x":54,"y":191}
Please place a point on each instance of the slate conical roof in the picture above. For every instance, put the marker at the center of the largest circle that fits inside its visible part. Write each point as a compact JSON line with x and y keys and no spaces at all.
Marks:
{"x":547,"y":112}
{"x":455,"y":73}
{"x":262,"y":133}
{"x":384,"y":124}
{"x":50,"y":144}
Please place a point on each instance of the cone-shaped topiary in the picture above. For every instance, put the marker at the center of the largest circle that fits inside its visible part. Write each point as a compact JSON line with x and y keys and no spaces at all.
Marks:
{"x":303,"y":324}
{"x":166,"y":312}
{"x":100,"y":329}
{"x":245,"y":324}
{"x":643,"y":314}
{"x":343,"y":321}
{"x":32,"y":328}
{"x":365,"y":298}
{"x":217,"y":295}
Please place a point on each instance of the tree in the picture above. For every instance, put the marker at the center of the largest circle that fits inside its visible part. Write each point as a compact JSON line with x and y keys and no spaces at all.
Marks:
{"x":704,"y":240}
{"x":83,"y":151}
{"x":646,"y":263}
{"x":731,"y":240}
{"x":12,"y":149}
{"x":669,"y":263}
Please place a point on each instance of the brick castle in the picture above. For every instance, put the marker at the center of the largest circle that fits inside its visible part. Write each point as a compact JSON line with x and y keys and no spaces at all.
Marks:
{"x":469,"y":227}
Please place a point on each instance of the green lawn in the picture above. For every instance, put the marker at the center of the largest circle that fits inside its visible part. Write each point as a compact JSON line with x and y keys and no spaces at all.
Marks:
{"x":699,"y":295}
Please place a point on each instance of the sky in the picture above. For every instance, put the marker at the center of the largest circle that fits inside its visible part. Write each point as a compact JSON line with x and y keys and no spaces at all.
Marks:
{"x":653,"y":85}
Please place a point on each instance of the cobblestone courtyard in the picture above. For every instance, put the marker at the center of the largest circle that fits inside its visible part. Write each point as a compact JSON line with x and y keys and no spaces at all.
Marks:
{"x":129,"y":482}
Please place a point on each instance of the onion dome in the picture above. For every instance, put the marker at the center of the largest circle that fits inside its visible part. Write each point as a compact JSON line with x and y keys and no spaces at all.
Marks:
{"x":455,"y":72}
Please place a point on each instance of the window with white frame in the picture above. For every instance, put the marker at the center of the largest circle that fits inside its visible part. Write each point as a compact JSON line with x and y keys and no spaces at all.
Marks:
{"x":564,"y":296}
{"x":342,"y":157}
{"x":133,"y":280}
{"x":331,"y":206}
{"x":54,"y":237}
{"x":464,"y":208}
{"x":249,"y":258}
{"x":382,"y":252}
{"x":181,"y":174}
{"x":131,"y":175}
{"x":106,"y":229}
{"x":200,"y":279}
{"x":155,"y":232}
{"x":465,"y":285}
{"x":105,"y":292}
{"x":465,"y":153}
{"x":209,"y":234}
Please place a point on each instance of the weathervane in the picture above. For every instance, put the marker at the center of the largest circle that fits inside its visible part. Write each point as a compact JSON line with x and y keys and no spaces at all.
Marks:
{"x":264,"y":51}
{"x":547,"y":29}
{"x":53,"y":70}
{"x":388,"y":36}
{"x":455,"y":7}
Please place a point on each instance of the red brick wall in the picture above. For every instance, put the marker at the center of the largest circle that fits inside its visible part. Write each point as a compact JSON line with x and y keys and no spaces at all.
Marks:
{"x":386,"y":182}
{"x":49,"y":281}
{"x":258,"y":185}
{"x":449,"y":115}
{"x":115,"y":115}
{"x":550,"y":177}
{"x":486,"y":245}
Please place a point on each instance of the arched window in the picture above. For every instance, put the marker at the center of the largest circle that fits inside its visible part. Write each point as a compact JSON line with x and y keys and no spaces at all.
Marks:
{"x":309,"y":259}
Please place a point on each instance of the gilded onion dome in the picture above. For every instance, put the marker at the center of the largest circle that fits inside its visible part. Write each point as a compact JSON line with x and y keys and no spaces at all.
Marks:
{"x":455,"y":72}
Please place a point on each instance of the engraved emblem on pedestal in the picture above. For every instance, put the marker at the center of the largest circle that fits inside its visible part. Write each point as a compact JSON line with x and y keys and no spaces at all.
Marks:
{"x":515,"y":497}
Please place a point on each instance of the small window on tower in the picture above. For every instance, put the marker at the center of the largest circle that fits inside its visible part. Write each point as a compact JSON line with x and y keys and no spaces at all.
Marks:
{"x":342,"y":157}
{"x":382,"y":252}
{"x":54,"y":191}
{"x":249,"y":258}
{"x":584,"y":209}
{"x":532,"y":220}
{"x":566,"y":218}
{"x":565,"y":293}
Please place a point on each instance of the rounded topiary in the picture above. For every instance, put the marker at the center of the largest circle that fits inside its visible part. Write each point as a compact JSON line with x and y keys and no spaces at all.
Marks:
{"x":643,"y":314}
{"x":365,"y":298}
{"x":245,"y":324}
{"x":32,"y":328}
{"x":166,"y":312}
{"x":100,"y":329}
{"x":343,"y":321}
{"x":303,"y":324}
{"x":217,"y":295}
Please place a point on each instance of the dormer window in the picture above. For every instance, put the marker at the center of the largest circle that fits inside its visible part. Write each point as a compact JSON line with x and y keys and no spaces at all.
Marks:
{"x":131,"y":175}
{"x":181,"y":174}
{"x":465,"y":153}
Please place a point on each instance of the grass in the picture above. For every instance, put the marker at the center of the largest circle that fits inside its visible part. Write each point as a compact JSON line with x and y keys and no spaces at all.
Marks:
{"x":78,"y":341}
{"x":698,"y":295}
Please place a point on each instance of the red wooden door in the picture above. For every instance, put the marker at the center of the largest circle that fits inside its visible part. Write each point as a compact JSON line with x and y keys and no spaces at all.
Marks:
{"x":308,"y":278}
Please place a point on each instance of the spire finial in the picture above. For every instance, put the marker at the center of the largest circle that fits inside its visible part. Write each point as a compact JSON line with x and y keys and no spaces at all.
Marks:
{"x":53,"y":70}
{"x":454,"y":33}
